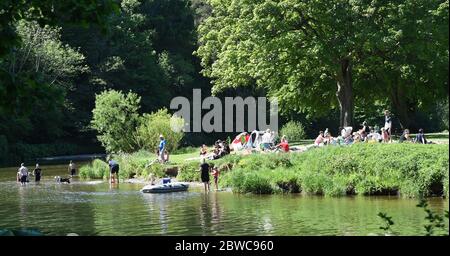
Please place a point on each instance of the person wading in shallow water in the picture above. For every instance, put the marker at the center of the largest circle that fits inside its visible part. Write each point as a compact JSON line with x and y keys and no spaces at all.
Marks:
{"x":114,"y":171}
{"x":22,"y":174}
{"x":72,"y":168}
{"x":204,"y":170}
{"x":37,"y":172}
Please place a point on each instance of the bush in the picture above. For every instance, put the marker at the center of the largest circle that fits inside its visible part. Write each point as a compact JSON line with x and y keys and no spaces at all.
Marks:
{"x":189,"y":172}
{"x":409,"y":169}
{"x":294,"y":131}
{"x":160,"y":122}
{"x":115,"y":117}
{"x":98,"y":169}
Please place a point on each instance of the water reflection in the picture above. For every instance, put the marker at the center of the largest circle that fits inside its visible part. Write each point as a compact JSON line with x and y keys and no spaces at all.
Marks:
{"x":100,"y":208}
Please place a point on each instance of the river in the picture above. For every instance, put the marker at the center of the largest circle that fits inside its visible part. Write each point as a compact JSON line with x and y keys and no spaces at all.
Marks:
{"x":96,"y":208}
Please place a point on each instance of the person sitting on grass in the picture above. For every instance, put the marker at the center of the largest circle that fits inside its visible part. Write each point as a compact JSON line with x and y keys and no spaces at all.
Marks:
{"x":356,"y":137}
{"x":374,"y":137}
{"x":329,"y":139}
{"x":319,"y":140}
{"x":284,"y":144}
{"x":420,"y":138}
{"x":405,"y":137}
{"x":203,"y":150}
{"x":365,"y":130}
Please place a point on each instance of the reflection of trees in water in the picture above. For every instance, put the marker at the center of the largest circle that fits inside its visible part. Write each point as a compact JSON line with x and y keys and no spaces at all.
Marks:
{"x":170,"y":213}
{"x":51,"y":209}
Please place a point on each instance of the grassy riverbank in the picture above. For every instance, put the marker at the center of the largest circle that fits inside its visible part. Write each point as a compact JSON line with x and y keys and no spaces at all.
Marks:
{"x":364,"y":169}
{"x":368,"y":169}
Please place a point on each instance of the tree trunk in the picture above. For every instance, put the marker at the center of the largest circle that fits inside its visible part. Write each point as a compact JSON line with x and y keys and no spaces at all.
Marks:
{"x":345,"y":94}
{"x":400,"y":106}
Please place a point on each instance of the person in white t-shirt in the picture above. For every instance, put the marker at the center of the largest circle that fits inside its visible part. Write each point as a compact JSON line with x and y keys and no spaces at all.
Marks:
{"x":23,"y":174}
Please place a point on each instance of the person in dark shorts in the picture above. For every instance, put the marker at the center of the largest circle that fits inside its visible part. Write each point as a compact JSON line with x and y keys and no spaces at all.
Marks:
{"x":72,"y":168}
{"x":114,"y":171}
{"x":204,"y":169}
{"x":37,"y":172}
{"x":23,"y":174}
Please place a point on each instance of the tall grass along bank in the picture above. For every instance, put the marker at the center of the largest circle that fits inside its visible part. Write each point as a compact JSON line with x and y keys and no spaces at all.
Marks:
{"x":364,"y":169}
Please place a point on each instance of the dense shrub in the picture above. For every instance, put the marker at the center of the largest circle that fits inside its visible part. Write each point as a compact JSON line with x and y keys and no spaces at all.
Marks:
{"x":408,"y":169}
{"x":137,"y":164}
{"x":160,"y":122}
{"x":115,"y":118}
{"x":294,"y":131}
{"x":189,"y":172}
{"x":98,"y":169}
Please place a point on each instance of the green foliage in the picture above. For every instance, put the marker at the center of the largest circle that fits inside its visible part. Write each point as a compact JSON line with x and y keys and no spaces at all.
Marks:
{"x":442,"y":110}
{"x":435,"y":221}
{"x":130,"y":166}
{"x":50,"y":12}
{"x":409,"y":169}
{"x":294,"y":131}
{"x":161,"y":122}
{"x":387,"y":222}
{"x":189,"y":172}
{"x":299,"y":51}
{"x":115,"y":117}
{"x":98,"y":169}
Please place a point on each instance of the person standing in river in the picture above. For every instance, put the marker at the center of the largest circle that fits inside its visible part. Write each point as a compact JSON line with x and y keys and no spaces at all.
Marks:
{"x":114,"y":171}
{"x":204,"y":172}
{"x":23,"y":174}
{"x":72,"y":168}
{"x":37,"y":173}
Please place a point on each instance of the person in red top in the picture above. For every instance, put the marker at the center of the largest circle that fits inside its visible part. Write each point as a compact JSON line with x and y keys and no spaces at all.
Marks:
{"x":215,"y":173}
{"x":284,"y":144}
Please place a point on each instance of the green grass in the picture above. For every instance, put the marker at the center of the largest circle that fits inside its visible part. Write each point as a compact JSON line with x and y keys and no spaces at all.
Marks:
{"x":364,"y":169}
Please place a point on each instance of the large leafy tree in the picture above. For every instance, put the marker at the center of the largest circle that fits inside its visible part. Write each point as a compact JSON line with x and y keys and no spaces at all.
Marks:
{"x":45,"y":12}
{"x":408,"y":66}
{"x":46,"y":69}
{"x":311,"y":54}
{"x":115,"y":117}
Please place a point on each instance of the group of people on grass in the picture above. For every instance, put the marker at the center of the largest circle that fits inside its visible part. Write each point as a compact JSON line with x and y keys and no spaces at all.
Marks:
{"x":221,"y":149}
{"x":368,"y":134}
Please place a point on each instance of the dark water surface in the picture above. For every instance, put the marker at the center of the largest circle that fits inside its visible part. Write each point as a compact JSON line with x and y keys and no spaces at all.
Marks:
{"x":95,"y":208}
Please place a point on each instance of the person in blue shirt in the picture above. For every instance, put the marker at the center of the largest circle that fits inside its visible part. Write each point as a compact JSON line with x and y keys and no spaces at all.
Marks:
{"x":114,"y":171}
{"x":161,"y":148}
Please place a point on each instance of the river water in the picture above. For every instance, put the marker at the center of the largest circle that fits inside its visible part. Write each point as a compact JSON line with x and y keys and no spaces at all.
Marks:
{"x":96,"y":208}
